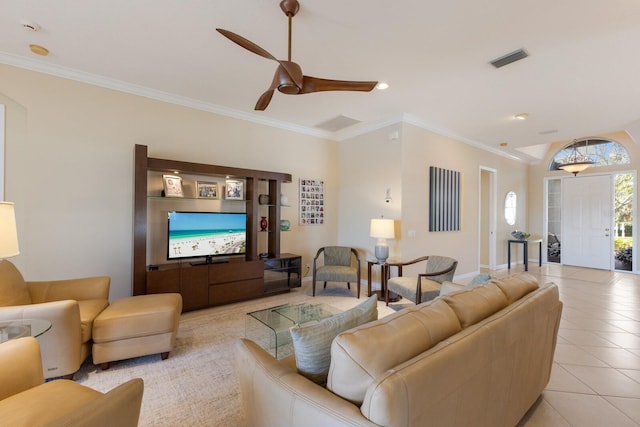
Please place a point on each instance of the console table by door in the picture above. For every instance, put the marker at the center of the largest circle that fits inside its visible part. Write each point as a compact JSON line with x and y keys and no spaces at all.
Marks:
{"x":526,"y":252}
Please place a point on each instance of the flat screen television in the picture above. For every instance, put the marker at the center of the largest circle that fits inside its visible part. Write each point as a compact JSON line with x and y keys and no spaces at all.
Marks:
{"x":206,"y":234}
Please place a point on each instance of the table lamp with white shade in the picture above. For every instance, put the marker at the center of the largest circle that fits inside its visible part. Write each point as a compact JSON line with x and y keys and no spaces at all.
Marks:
{"x":8,"y":231}
{"x":382,"y":229}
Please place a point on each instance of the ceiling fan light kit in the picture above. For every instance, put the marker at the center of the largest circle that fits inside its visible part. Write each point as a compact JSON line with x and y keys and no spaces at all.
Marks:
{"x":288,"y":78}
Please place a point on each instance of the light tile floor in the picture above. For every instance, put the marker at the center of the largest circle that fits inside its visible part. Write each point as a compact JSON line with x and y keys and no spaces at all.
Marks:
{"x":595,"y":379}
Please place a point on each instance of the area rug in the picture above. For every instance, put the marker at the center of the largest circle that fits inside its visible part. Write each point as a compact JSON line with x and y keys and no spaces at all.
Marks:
{"x":197,"y":384}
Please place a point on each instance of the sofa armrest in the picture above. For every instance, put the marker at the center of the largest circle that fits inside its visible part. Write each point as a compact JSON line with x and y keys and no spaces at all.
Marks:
{"x":273,"y":393}
{"x":75,"y":289}
{"x":60,"y":345}
{"x":20,"y":366}
{"x":118,"y":407}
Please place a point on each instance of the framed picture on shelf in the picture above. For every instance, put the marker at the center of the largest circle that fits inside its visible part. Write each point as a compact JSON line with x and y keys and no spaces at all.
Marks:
{"x":234,"y":190}
{"x":207,"y":190}
{"x":172,"y":186}
{"x":311,"y":202}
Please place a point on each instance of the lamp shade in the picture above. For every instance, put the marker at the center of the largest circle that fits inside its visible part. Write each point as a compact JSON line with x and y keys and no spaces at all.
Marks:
{"x":8,"y":231}
{"x":382,"y":228}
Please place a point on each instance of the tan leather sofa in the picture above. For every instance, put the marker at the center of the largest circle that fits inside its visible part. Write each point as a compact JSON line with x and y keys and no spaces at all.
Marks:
{"x":477,"y":357}
{"x":70,"y":305}
{"x":25,"y":401}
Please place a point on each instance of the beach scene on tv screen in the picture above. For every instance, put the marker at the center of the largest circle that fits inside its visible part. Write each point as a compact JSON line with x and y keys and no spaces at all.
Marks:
{"x":193,"y":234}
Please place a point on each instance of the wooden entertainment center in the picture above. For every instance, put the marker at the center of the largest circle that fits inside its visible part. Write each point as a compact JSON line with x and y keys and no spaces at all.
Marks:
{"x":238,"y":278}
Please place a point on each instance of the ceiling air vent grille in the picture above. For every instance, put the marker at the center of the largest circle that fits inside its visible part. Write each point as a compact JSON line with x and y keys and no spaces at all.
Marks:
{"x":337,"y":123}
{"x":509,"y":58}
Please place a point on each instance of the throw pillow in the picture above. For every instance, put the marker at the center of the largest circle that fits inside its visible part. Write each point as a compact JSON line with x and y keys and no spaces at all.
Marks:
{"x":312,"y":343}
{"x":479,"y":280}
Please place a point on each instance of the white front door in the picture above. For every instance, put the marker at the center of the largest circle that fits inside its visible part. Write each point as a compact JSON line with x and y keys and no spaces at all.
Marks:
{"x":587,"y":221}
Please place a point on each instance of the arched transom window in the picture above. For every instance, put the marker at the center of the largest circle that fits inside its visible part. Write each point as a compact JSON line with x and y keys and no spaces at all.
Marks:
{"x":602,"y":152}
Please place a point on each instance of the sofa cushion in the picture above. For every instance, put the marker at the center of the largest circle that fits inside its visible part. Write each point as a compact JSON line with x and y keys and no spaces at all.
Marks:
{"x":312,"y":343}
{"x":360,"y":355}
{"x":450,"y":287}
{"x":13,"y":289}
{"x":476,"y":303}
{"x":516,"y":286}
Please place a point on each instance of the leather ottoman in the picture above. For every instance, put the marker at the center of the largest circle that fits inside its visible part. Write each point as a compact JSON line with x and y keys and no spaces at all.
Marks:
{"x":136,"y":326}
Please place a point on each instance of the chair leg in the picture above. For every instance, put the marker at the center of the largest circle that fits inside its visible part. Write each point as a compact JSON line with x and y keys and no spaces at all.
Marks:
{"x":386,"y":296}
{"x":358,"y":289}
{"x":325,"y":285}
{"x":348,"y":285}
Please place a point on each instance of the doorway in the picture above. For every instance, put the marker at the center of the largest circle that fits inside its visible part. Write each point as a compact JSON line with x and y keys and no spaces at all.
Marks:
{"x":587,"y":218}
{"x":487,"y":218}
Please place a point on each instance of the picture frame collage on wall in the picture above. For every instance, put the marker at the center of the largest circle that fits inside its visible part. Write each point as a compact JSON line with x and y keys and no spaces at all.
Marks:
{"x":311,"y":202}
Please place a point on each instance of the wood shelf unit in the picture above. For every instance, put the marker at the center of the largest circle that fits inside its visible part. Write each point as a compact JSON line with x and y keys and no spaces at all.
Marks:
{"x":240,"y":278}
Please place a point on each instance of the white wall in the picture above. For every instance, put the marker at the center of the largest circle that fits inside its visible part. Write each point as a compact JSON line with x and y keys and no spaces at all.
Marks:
{"x":69,"y":170}
{"x":371,"y":163}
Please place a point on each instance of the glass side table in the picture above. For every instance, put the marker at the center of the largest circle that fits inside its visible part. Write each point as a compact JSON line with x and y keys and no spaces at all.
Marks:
{"x":18,"y":328}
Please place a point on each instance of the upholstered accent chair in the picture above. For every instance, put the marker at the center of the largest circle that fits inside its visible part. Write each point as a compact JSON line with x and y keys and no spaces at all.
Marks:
{"x":425,"y":286}
{"x":337,"y":266}
{"x":26,"y":400}
{"x":70,"y":305}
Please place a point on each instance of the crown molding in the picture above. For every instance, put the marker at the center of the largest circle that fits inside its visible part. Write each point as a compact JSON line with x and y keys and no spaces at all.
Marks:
{"x":118,"y":85}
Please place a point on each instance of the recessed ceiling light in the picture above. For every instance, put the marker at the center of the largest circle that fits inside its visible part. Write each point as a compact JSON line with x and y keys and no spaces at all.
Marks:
{"x":39,"y":50}
{"x":382,"y":86}
{"x":521,"y":116}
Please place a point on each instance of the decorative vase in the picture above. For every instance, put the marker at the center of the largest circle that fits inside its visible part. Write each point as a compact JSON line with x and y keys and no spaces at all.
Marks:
{"x":263,"y":199}
{"x":284,"y":225}
{"x":263,"y":224}
{"x":284,"y":200}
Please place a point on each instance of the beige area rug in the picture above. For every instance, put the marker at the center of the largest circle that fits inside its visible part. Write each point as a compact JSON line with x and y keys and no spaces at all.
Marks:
{"x":197,"y":385}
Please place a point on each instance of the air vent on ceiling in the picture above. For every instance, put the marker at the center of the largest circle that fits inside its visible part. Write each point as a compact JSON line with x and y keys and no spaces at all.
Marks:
{"x":509,"y":58}
{"x":337,"y":123}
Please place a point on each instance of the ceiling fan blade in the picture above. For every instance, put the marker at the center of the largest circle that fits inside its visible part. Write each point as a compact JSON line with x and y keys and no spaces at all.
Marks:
{"x":314,"y":84}
{"x":247,"y":44}
{"x":263,"y":101}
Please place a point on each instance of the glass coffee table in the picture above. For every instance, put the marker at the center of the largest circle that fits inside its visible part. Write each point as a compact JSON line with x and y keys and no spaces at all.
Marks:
{"x":270,"y":327}
{"x":18,"y":328}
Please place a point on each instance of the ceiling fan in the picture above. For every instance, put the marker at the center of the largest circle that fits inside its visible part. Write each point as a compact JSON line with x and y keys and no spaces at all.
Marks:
{"x":288,"y":78}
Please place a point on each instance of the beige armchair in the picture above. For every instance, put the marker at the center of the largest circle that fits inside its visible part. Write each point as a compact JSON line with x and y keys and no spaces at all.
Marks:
{"x":70,"y":306}
{"x":337,"y":266}
{"x":25,"y":400}
{"x":425,"y":286}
